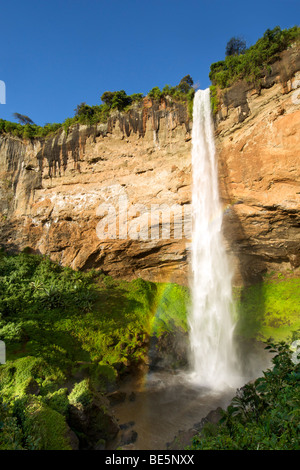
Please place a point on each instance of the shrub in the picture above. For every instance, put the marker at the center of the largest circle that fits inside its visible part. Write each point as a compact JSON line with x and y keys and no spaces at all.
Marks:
{"x":81,"y":394}
{"x":263,"y":415}
{"x":250,"y":64}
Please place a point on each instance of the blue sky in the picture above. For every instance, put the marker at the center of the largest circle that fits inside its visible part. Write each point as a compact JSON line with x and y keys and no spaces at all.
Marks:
{"x":55,"y":55}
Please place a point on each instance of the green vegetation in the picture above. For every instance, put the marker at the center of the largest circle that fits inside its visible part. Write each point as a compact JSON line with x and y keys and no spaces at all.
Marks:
{"x":235,"y":46}
{"x":252,"y":62}
{"x":90,"y":115}
{"x":183,"y":92}
{"x":81,"y":393}
{"x":46,"y":427}
{"x":67,"y":334}
{"x":23,"y":119}
{"x":63,"y":316}
{"x":269,"y":309}
{"x":71,"y":334}
{"x":264,"y":415}
{"x":170,"y":310}
{"x":240,"y":63}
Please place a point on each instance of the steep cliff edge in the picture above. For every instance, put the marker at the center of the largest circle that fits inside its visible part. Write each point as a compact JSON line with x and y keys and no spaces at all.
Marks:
{"x":258,"y":144}
{"x":53,"y":190}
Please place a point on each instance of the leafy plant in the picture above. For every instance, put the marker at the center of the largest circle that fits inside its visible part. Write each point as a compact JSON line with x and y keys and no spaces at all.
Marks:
{"x":249,"y":64}
{"x":263,"y":415}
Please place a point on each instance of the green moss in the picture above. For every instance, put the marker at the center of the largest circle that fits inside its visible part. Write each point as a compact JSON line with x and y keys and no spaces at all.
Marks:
{"x":81,"y":394}
{"x":19,"y":377}
{"x":58,"y":401}
{"x":269,"y":309}
{"x":170,"y":308}
{"x":46,"y":426}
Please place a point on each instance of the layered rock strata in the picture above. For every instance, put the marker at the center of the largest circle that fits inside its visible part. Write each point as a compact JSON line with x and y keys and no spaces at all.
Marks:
{"x":97,"y":196}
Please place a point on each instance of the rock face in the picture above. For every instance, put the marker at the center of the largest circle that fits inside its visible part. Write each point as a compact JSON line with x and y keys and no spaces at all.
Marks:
{"x":258,"y":144}
{"x":54,"y":192}
{"x":69,"y":196}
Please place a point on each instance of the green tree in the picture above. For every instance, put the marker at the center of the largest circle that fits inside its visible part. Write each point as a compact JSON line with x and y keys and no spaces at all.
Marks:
{"x":186,"y":84}
{"x":22,"y":118}
{"x":120,"y":100}
{"x":155,"y":93}
{"x":107,"y":97}
{"x":235,"y":46}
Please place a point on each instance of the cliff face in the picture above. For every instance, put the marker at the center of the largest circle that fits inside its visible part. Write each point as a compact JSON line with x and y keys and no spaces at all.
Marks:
{"x":60,"y":194}
{"x":53,"y":192}
{"x":258,"y":142}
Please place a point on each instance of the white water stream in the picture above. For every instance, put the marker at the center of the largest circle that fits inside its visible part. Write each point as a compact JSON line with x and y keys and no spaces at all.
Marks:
{"x":214,"y":361}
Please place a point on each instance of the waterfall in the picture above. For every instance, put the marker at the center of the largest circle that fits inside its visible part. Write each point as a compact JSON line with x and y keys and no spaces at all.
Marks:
{"x":213,"y":356}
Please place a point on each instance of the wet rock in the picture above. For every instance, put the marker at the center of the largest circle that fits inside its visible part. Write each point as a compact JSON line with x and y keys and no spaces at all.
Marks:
{"x":129,"y":436}
{"x":116,"y":397}
{"x":127,"y":425}
{"x":184,"y":438}
{"x":132,"y":396}
{"x":169,"y":351}
{"x":93,"y":421}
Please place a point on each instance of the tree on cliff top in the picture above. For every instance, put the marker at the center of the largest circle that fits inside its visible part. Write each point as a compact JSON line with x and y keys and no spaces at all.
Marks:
{"x":235,"y":46}
{"x":250,"y":64}
{"x":186,"y":84}
{"x":23,"y":119}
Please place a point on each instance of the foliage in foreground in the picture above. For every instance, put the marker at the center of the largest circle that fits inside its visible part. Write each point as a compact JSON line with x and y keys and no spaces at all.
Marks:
{"x":66,"y":316}
{"x":70,"y":333}
{"x":61,"y":326}
{"x":265,"y":414}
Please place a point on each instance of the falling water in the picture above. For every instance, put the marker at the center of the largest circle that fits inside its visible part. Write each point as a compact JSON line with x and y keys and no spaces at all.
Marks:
{"x":213,"y":358}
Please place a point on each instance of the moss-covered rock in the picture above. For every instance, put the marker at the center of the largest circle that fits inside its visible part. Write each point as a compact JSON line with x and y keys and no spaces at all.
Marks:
{"x":269,"y":309}
{"x":28,"y":376}
{"x":90,"y":417}
{"x":58,"y":401}
{"x":48,"y":428}
{"x":169,"y":339}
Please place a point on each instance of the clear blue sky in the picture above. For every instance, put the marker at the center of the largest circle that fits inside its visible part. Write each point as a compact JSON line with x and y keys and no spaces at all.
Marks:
{"x":56,"y":54}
